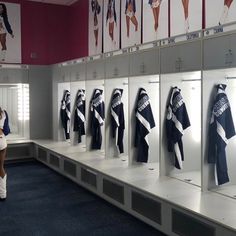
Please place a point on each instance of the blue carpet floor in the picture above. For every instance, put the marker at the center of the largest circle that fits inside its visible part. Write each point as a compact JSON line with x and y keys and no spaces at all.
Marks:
{"x":41,"y":202}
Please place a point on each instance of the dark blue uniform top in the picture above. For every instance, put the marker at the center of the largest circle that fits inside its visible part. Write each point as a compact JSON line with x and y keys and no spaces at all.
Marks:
{"x":221,"y":129}
{"x":79,"y":118}
{"x":97,"y":118}
{"x":144,"y":123}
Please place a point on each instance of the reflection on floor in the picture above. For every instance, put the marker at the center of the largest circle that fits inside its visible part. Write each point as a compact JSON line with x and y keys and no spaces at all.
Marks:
{"x":227,"y":190}
{"x":191,"y":177}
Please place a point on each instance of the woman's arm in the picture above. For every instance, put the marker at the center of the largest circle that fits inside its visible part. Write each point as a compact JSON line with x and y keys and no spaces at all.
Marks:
{"x":134,"y":6}
{"x":114,"y":10}
{"x":7,"y":25}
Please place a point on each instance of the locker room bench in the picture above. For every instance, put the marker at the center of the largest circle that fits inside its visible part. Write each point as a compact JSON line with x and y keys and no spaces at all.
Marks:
{"x":170,"y":205}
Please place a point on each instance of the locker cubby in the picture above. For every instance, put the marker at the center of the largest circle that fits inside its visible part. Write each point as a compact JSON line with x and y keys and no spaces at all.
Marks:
{"x":219,"y":52}
{"x":89,"y":177}
{"x":54,"y":160}
{"x":181,"y":57}
{"x":151,"y":85}
{"x":144,"y":62}
{"x":70,"y":168}
{"x":210,"y":79}
{"x":42,"y":154}
{"x":117,"y":66}
{"x":95,"y":70}
{"x":111,"y":148}
{"x":146,"y":206}
{"x":190,"y":85}
{"x":14,"y":74}
{"x":90,"y":85}
{"x":74,"y":87}
{"x":78,"y":72}
{"x":20,"y":151}
{"x":61,"y":89}
{"x":64,"y":73}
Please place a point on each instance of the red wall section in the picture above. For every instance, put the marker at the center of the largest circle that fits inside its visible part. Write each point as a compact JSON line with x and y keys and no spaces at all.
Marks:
{"x":79,"y":29}
{"x":54,"y":33}
{"x":44,"y":31}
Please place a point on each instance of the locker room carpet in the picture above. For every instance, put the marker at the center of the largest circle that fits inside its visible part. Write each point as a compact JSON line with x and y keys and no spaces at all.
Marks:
{"x":42,"y":202}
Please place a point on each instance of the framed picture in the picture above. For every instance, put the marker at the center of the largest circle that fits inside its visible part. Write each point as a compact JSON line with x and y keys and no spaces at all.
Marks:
{"x":10,"y":31}
{"x":155,"y":20}
{"x":130,"y":22}
{"x":111,"y":25}
{"x":95,"y":26}
{"x":185,"y":16}
{"x":220,"y":12}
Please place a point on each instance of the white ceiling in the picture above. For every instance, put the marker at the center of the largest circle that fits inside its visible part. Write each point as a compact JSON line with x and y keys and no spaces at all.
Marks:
{"x":59,"y":2}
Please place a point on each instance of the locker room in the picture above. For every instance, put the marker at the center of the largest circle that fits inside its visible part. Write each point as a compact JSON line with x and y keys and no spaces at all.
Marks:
{"x":98,"y":138}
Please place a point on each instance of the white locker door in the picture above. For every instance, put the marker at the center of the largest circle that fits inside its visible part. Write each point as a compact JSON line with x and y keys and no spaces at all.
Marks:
{"x":117,"y":66}
{"x":96,"y":70}
{"x":180,"y":58}
{"x":217,"y":52}
{"x":144,"y":63}
{"x":78,"y":72}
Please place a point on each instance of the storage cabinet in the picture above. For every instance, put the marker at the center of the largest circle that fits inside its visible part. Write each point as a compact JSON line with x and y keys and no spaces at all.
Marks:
{"x":95,"y":70}
{"x":144,"y":63}
{"x":182,"y":57}
{"x":219,"y":52}
{"x":14,"y":75}
{"x":78,"y":72}
{"x":117,"y":66}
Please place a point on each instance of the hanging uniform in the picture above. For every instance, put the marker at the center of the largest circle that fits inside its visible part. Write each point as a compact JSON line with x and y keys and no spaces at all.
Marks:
{"x":144,"y":123}
{"x":117,"y":119}
{"x":79,"y":119}
{"x":221,"y":129}
{"x":177,"y":121}
{"x":97,"y":118}
{"x":65,"y":113}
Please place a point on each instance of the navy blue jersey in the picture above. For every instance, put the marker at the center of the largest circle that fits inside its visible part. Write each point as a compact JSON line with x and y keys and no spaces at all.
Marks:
{"x":97,"y":118}
{"x":177,"y":121}
{"x":6,"y":127}
{"x":144,"y":123}
{"x":7,"y":24}
{"x":117,"y":118}
{"x":221,"y":129}
{"x":79,"y":119}
{"x":65,"y":113}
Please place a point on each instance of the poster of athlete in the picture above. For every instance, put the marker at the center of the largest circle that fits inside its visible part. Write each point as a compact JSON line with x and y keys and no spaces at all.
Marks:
{"x":185,"y":16}
{"x":95,"y":26}
{"x":220,"y":12}
{"x":10,"y":33}
{"x":155,"y":20}
{"x":130,"y":22}
{"x":111,"y":25}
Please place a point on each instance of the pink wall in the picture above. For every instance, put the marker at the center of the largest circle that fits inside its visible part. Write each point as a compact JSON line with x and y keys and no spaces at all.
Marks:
{"x":54,"y":33}
{"x":44,"y":32}
{"x":79,"y":29}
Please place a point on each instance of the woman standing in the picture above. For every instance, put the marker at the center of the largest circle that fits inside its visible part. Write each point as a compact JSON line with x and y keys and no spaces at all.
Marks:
{"x":4,"y":28}
{"x":130,"y":9}
{"x":96,"y":9}
{"x":185,"y":6}
{"x":155,"y":5}
{"x":111,"y":17}
{"x":3,"y":148}
{"x":224,"y":15}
